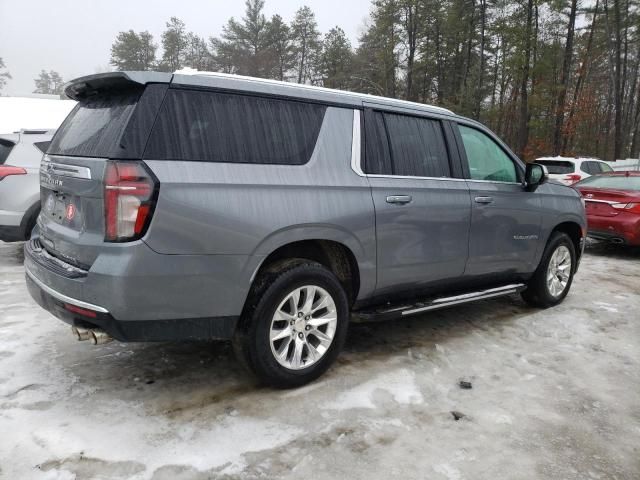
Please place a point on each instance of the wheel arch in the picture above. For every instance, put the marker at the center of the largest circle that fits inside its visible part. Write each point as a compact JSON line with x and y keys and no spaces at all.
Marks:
{"x":575,"y":231}
{"x":334,"y":255}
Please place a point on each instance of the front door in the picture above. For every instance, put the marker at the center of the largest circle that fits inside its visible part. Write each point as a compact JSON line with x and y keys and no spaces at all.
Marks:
{"x":505,"y":219}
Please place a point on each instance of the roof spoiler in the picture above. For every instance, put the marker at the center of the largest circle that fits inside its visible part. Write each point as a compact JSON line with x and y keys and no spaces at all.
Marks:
{"x":84,"y":87}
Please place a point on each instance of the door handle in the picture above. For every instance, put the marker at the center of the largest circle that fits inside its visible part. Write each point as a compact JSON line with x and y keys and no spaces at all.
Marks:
{"x":484,"y":200}
{"x":399,"y":199}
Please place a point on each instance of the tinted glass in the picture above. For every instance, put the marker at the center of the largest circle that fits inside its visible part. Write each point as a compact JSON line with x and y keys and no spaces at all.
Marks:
{"x":42,"y":146}
{"x":5,"y":150}
{"x":417,"y":146}
{"x":94,"y":127}
{"x":487,"y":161}
{"x":377,"y":158}
{"x":557,"y":167}
{"x":604,"y":167}
{"x":220,"y":127}
{"x":616,"y":182}
{"x":588,"y":167}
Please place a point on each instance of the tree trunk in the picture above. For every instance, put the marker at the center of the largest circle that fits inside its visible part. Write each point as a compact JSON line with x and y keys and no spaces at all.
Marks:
{"x":564,"y":80}
{"x":582,"y":72}
{"x":618,"y":82}
{"x":523,"y":127}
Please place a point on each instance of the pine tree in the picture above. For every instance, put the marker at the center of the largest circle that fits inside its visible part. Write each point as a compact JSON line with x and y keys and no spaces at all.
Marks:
{"x":174,"y":45}
{"x":248,"y":41}
{"x":133,"y":51}
{"x":337,"y":60}
{"x":306,"y":44}
{"x":281,"y":46}
{"x":49,"y":83}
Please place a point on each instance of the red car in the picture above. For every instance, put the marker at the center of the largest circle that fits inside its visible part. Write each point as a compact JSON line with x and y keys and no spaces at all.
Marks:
{"x":612,"y":202}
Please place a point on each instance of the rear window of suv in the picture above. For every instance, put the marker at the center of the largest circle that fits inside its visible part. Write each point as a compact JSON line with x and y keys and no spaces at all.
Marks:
{"x":95,"y":125}
{"x":557,"y":167}
{"x":220,"y":127}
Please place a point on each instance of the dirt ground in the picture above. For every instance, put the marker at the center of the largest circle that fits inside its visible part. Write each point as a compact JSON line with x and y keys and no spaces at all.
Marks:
{"x":556,"y":395}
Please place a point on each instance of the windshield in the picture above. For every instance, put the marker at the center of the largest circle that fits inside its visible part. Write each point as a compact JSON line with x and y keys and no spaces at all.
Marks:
{"x":557,"y":166}
{"x":94,"y":127}
{"x":615,"y":182}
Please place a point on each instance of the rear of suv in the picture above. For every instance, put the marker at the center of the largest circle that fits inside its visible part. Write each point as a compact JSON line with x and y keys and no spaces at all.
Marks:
{"x":208,"y":206}
{"x":571,"y":170}
{"x":20,"y":155}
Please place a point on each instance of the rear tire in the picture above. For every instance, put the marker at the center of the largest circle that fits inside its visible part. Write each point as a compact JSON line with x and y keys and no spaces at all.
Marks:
{"x":552,"y":279}
{"x":294,"y":323}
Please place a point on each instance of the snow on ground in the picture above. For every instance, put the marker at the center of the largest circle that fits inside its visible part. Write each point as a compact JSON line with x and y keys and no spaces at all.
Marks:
{"x":32,"y":113}
{"x":556,"y":394}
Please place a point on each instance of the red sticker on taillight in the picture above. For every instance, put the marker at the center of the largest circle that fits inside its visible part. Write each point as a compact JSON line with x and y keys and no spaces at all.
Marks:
{"x":71,"y":211}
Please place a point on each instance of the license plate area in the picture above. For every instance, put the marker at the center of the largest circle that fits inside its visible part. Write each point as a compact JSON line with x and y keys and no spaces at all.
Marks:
{"x":63,"y":208}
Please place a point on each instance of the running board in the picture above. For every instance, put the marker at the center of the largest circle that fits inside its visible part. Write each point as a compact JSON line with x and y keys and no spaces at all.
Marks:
{"x":392,"y":312}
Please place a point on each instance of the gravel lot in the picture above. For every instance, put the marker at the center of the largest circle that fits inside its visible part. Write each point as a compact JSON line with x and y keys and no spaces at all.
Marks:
{"x":556,"y":394}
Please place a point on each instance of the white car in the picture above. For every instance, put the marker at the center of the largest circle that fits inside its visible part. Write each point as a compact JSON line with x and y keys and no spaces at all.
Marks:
{"x":20,"y":155}
{"x":570,"y":170}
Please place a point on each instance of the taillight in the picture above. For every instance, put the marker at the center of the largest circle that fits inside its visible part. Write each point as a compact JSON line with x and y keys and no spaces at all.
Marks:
{"x":129,"y":197}
{"x":573,"y":178}
{"x":6,"y":170}
{"x":627,"y":207}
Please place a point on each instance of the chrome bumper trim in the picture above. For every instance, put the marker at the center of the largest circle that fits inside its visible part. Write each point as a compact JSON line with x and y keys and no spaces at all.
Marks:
{"x":64,"y":298}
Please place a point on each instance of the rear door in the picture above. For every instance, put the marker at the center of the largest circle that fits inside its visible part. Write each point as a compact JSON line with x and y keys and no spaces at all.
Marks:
{"x":422,"y":210}
{"x":109,"y":124}
{"x":505,"y":220}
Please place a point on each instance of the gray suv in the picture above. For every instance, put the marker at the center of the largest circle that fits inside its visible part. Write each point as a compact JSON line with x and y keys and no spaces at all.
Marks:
{"x":209,"y":206}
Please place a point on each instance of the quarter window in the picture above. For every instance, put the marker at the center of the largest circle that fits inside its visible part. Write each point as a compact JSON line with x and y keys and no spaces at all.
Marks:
{"x":487,"y":161}
{"x":220,"y":127}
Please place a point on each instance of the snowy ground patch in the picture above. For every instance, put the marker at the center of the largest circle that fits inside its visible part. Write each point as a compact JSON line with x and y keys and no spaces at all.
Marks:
{"x":555,"y":394}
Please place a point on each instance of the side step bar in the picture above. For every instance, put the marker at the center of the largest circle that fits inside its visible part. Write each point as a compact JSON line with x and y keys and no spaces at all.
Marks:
{"x":399,"y":311}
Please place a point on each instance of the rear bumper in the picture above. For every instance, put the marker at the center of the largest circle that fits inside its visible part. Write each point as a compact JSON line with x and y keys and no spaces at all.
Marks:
{"x":167,"y":298}
{"x":130,"y":331}
{"x":623,"y":228}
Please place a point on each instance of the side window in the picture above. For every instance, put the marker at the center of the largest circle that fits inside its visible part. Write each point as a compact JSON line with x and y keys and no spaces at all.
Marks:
{"x":587,"y":167}
{"x":417,"y":146}
{"x":220,"y":127}
{"x":487,"y":161}
{"x":605,"y":167}
{"x":377,"y":158}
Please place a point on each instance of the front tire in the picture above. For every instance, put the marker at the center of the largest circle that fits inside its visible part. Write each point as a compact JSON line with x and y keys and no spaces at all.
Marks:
{"x":294,"y":324}
{"x":552,"y":280}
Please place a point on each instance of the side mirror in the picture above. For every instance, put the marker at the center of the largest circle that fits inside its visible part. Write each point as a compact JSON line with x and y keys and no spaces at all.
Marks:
{"x":535,"y":175}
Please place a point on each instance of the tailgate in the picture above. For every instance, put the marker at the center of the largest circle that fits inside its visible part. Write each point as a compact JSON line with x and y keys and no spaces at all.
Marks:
{"x":71,"y":221}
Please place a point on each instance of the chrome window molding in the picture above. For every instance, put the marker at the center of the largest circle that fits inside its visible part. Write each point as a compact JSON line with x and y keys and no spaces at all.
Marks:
{"x":356,"y":160}
{"x":407,"y":177}
{"x":356,"y":145}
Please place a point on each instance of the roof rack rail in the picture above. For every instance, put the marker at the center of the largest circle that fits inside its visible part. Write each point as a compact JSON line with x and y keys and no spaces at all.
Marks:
{"x":303,"y":86}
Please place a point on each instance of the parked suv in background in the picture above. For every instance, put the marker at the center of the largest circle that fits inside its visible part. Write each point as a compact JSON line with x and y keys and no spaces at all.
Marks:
{"x":20,"y":155}
{"x":202,"y":206}
{"x":571,"y":170}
